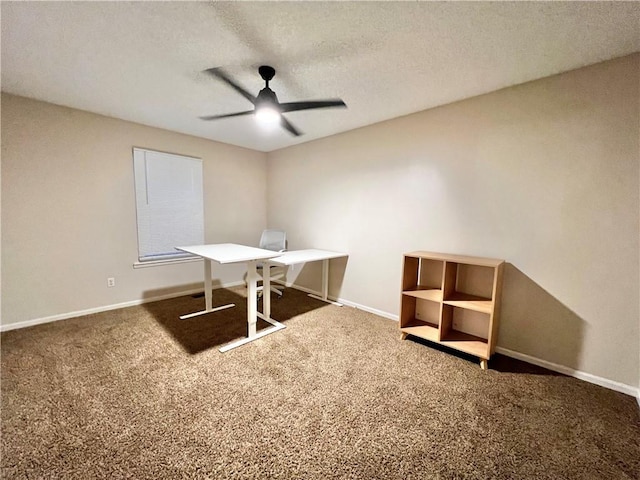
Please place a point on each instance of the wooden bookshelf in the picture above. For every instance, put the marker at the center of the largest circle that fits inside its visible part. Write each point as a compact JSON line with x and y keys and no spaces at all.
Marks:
{"x":452,"y":300}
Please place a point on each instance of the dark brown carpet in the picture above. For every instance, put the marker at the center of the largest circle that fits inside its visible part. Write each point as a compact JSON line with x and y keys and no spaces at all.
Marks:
{"x":137,"y":393}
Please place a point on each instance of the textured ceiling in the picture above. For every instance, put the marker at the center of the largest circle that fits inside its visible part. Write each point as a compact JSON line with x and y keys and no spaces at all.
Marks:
{"x":143,"y":61}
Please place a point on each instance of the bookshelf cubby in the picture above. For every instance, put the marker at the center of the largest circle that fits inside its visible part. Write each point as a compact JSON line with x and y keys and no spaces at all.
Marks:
{"x":452,"y":300}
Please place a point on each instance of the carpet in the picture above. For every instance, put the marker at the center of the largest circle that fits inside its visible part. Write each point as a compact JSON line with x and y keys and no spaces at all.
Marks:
{"x":138,"y":393}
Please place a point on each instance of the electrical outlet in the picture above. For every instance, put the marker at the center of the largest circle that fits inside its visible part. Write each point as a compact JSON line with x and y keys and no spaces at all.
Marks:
{"x":111,"y":282}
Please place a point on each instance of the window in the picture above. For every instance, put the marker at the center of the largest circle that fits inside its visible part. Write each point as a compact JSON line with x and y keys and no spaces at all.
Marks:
{"x":169,"y":204}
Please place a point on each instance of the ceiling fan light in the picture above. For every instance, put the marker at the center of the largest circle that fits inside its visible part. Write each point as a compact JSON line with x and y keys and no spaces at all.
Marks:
{"x":267,"y":116}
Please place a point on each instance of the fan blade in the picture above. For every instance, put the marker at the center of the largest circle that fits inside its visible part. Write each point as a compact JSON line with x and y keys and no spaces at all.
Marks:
{"x":290,"y":128}
{"x":220,"y":74}
{"x":295,"y":106}
{"x":225,"y":115}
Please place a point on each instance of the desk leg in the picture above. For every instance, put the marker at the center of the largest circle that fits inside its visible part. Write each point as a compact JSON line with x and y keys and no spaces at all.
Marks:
{"x":266,"y":290}
{"x":208,"y":296}
{"x":325,"y":285}
{"x":252,"y":298}
{"x":252,"y":308}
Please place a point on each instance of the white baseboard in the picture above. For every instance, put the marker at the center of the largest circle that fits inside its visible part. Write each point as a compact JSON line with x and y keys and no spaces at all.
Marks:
{"x":343,"y":301}
{"x":364,"y":308}
{"x":603,"y":382}
{"x":105,"y":308}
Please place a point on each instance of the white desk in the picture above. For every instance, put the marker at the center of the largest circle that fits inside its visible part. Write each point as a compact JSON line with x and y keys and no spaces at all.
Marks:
{"x":232,"y":253}
{"x":291,"y":258}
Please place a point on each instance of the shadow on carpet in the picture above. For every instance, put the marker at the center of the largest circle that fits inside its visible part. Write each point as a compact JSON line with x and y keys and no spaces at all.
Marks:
{"x":215,"y":329}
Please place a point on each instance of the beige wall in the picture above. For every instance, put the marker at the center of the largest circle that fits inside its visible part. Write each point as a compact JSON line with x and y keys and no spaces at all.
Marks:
{"x":68,"y":209}
{"x":544,"y":175}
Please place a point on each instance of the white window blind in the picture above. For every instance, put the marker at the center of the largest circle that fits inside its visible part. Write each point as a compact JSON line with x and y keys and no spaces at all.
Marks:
{"x":169,"y":203}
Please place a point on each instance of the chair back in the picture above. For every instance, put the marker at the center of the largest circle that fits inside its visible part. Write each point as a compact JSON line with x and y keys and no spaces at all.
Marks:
{"x":274,"y":240}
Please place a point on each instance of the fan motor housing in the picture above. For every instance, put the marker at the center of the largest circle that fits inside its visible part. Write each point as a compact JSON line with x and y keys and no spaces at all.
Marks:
{"x":267,"y":97}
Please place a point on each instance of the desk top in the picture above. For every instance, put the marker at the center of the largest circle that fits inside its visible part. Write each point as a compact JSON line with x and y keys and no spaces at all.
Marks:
{"x":303,"y":256}
{"x":229,"y":252}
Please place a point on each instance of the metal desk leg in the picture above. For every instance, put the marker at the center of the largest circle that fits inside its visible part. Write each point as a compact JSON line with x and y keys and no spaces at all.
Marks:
{"x":252,"y":308}
{"x":266,"y":290}
{"x":208,"y":296}
{"x":252,"y":298}
{"x":325,"y":285}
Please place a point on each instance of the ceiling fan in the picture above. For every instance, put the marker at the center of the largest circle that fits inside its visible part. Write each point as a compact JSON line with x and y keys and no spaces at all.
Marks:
{"x":266,"y":104}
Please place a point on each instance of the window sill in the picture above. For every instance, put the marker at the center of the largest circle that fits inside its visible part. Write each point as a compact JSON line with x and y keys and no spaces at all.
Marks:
{"x":173,"y":261}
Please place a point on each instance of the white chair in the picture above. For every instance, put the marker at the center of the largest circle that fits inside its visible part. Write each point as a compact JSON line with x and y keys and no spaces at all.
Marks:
{"x":275,"y":240}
